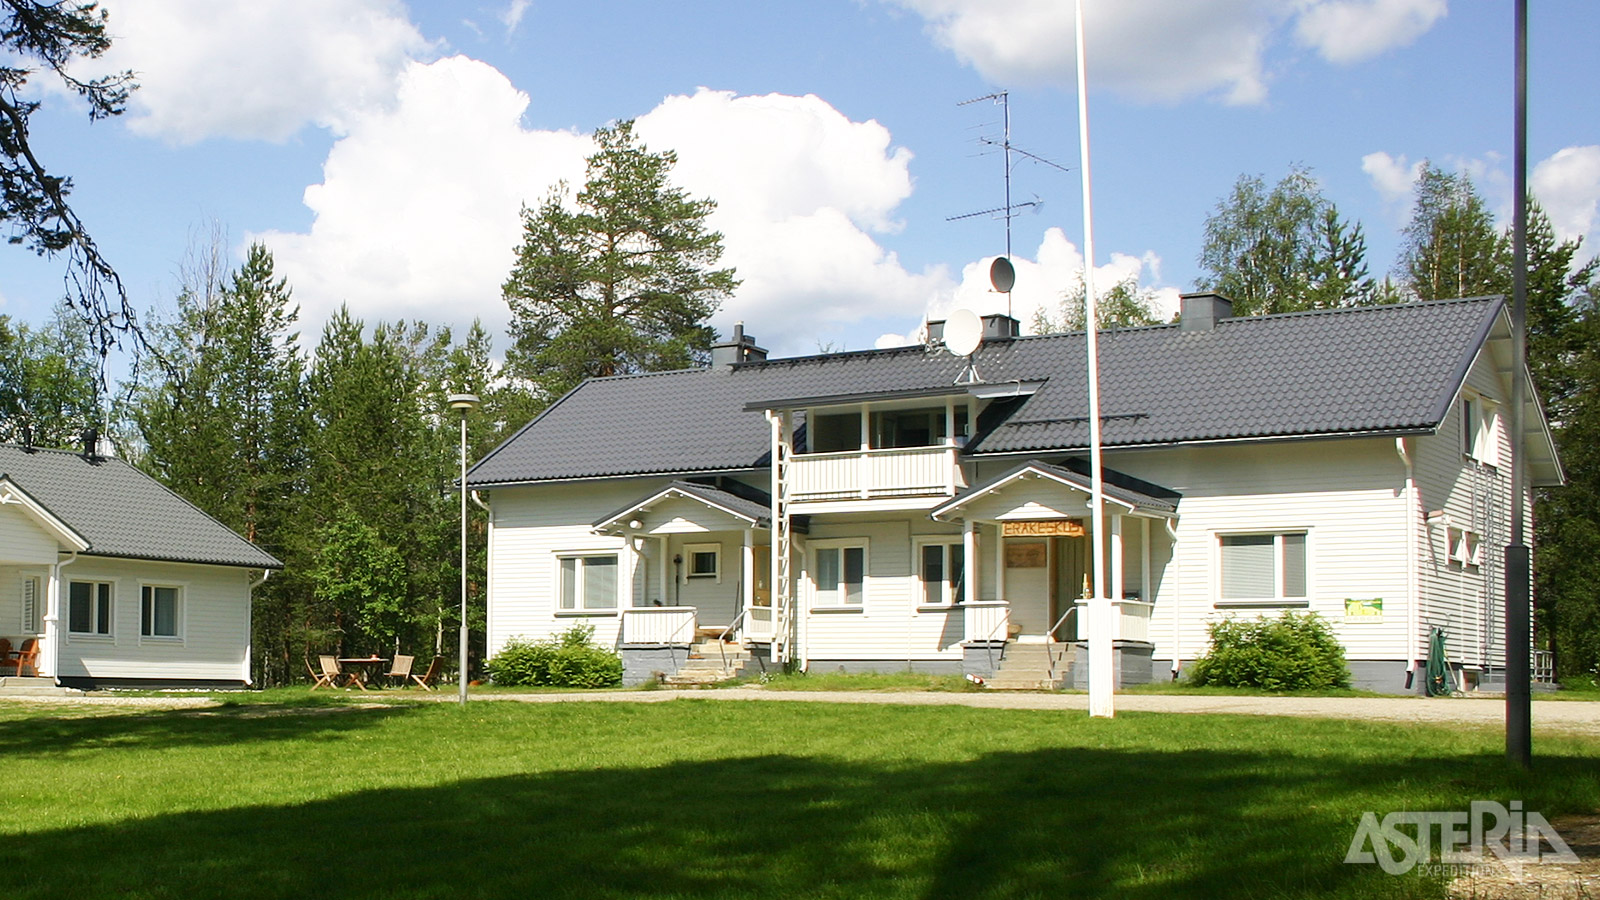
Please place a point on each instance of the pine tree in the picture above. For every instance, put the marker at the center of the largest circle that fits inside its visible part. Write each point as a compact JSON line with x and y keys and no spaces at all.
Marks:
{"x":621,"y":281}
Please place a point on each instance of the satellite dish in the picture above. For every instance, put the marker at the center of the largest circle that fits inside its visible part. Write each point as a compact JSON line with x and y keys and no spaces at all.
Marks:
{"x":1002,"y":275}
{"x":963,"y":332}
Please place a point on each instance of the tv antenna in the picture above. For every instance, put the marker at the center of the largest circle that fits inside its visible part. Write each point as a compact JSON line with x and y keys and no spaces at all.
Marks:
{"x":1005,"y":275}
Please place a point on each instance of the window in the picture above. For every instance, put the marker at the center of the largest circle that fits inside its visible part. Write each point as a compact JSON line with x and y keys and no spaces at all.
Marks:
{"x":1263,"y":566}
{"x":840,"y":575}
{"x":158,"y":611}
{"x":922,"y":427}
{"x":89,"y":607}
{"x":588,"y":582}
{"x":705,"y":560}
{"x":1480,"y":430}
{"x":1466,"y":547}
{"x":941,"y":569}
{"x":834,"y":432}
{"x":30,"y":605}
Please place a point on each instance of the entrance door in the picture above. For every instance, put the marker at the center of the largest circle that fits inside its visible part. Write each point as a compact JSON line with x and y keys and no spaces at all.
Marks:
{"x":1072,"y":570}
{"x":1027,"y":574}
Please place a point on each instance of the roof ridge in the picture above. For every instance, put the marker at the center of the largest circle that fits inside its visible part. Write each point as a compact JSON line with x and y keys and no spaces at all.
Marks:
{"x":1352,"y":310}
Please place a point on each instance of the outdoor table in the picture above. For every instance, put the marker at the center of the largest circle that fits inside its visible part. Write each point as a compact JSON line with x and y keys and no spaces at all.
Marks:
{"x":359,"y":668}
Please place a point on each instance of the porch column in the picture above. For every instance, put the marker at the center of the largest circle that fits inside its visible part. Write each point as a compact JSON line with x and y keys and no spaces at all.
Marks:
{"x":969,"y":559}
{"x":999,"y":561}
{"x":1146,"y":589}
{"x":1115,"y":534}
{"x":747,"y":576}
{"x":661,"y":571}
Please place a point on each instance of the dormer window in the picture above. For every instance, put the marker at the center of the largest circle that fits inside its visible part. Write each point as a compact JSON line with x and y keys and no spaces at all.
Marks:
{"x":891,"y":428}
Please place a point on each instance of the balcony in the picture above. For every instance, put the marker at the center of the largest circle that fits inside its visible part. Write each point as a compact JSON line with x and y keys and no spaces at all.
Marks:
{"x":875,"y":474}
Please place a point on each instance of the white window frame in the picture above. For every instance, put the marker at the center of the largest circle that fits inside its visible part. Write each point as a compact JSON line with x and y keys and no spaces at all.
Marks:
{"x":32,"y":605}
{"x":689,"y":551}
{"x":579,"y":608}
{"x":1465,"y":547}
{"x":1480,"y":429}
{"x":101,"y":627}
{"x":178,"y":617}
{"x":832,"y":599}
{"x":950,"y":592}
{"x":1279,"y":598}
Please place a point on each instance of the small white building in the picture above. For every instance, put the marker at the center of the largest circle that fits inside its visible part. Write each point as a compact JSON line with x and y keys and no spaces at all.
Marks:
{"x":882,"y":510}
{"x":121,"y":581}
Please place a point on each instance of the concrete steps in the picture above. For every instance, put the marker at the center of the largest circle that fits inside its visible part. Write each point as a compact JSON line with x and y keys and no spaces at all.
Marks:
{"x":705,"y":665}
{"x":1027,"y":667}
{"x":14,"y":686}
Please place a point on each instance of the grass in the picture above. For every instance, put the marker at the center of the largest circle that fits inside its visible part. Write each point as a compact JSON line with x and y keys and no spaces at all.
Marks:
{"x":860,"y":681}
{"x":1210,"y":690}
{"x":293,"y":794}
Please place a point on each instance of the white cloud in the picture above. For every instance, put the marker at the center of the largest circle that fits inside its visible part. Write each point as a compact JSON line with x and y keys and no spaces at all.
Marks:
{"x":512,"y":17}
{"x":256,"y":70}
{"x":1042,"y":282}
{"x":1163,"y":50}
{"x":1347,"y":31}
{"x":1392,"y":176}
{"x":417,"y":215}
{"x":1568,"y":187}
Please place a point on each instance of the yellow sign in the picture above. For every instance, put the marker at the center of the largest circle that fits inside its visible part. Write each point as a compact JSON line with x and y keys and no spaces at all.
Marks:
{"x":1044,"y":528}
{"x":1363,"y":608}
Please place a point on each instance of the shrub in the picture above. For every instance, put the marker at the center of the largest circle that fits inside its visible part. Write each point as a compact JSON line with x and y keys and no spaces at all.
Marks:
{"x":570,"y":659}
{"x":1289,"y":653}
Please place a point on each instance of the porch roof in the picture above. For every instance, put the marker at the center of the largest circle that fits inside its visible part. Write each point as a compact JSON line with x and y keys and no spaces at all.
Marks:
{"x":748,"y":510}
{"x":1123,"y":490}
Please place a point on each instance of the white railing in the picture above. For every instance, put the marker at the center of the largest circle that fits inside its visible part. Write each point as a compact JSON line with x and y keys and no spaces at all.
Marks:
{"x":855,"y":474}
{"x":986,"y":620}
{"x":661,"y":625}
{"x":1544,"y":667}
{"x":758,"y":622}
{"x":1132,"y":620}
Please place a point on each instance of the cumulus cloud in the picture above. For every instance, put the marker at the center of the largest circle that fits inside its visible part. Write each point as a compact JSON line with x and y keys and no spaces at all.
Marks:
{"x":1042,"y":283}
{"x":255,"y":70}
{"x":417,"y":215}
{"x":1568,"y":187}
{"x":1347,"y":31}
{"x":1164,"y":51}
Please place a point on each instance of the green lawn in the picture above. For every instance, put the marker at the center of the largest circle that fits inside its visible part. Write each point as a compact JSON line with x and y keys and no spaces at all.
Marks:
{"x":311,"y":796}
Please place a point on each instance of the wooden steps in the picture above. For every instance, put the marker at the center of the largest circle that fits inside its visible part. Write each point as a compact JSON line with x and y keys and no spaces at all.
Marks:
{"x":15,"y":686}
{"x":1028,"y":667}
{"x":705,"y":665}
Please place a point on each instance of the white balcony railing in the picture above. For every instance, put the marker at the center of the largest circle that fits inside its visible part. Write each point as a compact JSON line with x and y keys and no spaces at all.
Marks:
{"x":986,"y":620}
{"x":865,"y":475}
{"x":1132,"y":620}
{"x":659,"y":625}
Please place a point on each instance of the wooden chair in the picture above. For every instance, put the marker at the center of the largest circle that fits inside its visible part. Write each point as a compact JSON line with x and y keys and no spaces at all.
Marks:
{"x":5,"y":651}
{"x":400,"y":669}
{"x":331,"y":673}
{"x":427,"y":677}
{"x":21,"y":660}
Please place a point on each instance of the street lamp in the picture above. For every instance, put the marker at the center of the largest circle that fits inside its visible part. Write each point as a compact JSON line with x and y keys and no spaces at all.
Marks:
{"x":466,"y":403}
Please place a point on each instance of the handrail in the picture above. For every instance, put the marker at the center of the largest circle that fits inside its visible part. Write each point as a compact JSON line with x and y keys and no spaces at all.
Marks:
{"x":722,"y":648}
{"x":1050,"y":638}
{"x":988,"y":642}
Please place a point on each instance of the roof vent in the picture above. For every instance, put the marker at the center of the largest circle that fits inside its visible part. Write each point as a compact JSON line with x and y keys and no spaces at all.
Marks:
{"x":1202,"y":311}
{"x":740,"y":348}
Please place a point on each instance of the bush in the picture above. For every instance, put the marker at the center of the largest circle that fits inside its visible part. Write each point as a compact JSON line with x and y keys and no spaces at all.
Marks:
{"x":570,"y":659}
{"x":1289,"y":653}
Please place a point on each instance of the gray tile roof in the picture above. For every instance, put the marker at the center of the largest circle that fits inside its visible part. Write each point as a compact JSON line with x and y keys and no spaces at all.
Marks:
{"x":1371,"y":370}
{"x":1118,"y":486}
{"x":123,"y":512}
{"x":757,"y":512}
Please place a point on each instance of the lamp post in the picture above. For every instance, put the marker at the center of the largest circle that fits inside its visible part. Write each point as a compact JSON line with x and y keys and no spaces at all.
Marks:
{"x":466,"y":403}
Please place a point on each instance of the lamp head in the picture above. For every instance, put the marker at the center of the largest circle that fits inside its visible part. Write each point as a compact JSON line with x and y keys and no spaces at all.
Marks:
{"x":463,"y":402}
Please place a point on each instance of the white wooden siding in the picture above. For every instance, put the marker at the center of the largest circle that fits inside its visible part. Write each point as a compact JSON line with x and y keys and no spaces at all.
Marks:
{"x":1467,"y":602}
{"x":214,"y":623}
{"x":21,"y":538}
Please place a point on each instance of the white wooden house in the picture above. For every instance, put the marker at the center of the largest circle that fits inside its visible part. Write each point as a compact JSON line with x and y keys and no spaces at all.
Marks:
{"x":121,"y":581}
{"x":879,"y":511}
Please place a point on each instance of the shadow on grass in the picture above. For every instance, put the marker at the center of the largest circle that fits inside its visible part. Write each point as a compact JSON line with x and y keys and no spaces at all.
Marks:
{"x":43,"y":735}
{"x":1056,"y":822}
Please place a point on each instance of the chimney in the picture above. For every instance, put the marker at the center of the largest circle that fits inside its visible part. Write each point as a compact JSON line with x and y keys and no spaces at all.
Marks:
{"x":997,"y":327}
{"x":935,"y":331}
{"x":1201,"y":311}
{"x":740,"y":348}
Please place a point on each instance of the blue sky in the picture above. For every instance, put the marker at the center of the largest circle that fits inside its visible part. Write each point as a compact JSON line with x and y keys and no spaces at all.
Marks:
{"x":382,"y":149}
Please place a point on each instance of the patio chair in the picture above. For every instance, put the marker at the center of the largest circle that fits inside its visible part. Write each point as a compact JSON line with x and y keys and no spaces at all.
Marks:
{"x":400,"y":669}
{"x":5,"y":651}
{"x":331,"y":673}
{"x":427,"y":677}
{"x":22,"y":660}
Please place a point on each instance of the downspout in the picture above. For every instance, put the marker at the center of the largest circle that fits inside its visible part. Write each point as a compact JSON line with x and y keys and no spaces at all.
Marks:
{"x":488,"y":564}
{"x":1172,"y":535}
{"x":52,"y":617}
{"x":1413,"y":600}
{"x":249,"y":635}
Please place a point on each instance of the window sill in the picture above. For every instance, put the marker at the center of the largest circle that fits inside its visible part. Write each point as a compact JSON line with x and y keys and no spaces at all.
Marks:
{"x":158,"y":639}
{"x":579,"y":613}
{"x":852,"y":608}
{"x":1262,"y":604}
{"x":90,"y":638}
{"x":938,"y":607}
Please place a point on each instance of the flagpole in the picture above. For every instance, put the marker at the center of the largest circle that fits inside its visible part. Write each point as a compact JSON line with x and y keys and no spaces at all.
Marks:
{"x":1100,"y":624}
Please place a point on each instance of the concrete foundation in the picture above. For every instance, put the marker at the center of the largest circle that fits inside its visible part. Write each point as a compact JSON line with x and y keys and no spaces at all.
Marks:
{"x":981,"y":659}
{"x":1130,"y":664}
{"x":646,"y":663}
